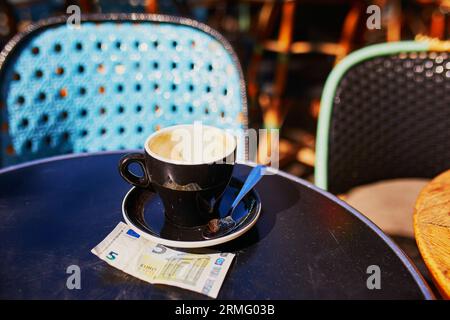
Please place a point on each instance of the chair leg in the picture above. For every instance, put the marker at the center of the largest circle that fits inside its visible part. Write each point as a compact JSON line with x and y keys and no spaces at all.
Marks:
{"x":86,"y":6}
{"x":394,"y":25}
{"x":274,"y":116}
{"x":152,"y":6}
{"x":438,"y":24}
{"x":348,"y":31}
{"x":263,"y":28}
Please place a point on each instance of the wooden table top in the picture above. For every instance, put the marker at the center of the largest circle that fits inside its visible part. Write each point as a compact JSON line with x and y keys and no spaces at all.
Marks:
{"x":432,"y":230}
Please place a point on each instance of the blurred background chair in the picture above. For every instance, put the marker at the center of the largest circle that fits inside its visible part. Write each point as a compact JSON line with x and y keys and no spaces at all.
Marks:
{"x":385,"y":114}
{"x":8,"y":25}
{"x":285,"y":45}
{"x":120,"y":6}
{"x":111,"y":82}
{"x":280,"y":30}
{"x":25,"y":12}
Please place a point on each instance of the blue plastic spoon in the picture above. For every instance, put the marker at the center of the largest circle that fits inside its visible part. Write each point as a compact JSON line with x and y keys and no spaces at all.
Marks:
{"x":220,"y":227}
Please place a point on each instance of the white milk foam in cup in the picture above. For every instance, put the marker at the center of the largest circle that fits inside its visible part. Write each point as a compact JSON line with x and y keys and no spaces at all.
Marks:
{"x":189,"y":144}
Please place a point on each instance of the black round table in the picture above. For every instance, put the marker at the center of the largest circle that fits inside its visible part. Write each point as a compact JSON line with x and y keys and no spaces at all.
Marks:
{"x":307,"y":244}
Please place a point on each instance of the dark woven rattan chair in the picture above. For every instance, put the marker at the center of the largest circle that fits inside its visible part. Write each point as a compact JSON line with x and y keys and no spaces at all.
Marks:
{"x":385,"y":114}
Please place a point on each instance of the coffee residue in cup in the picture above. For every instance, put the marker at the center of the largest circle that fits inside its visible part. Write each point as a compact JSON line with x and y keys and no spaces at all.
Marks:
{"x":187,"y":187}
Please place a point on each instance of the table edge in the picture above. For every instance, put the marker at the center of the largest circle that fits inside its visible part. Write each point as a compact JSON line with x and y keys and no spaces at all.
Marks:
{"x":437,"y":275}
{"x":418,"y":278}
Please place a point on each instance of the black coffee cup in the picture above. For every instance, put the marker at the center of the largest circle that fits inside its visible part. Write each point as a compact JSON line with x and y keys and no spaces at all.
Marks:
{"x":189,"y":187}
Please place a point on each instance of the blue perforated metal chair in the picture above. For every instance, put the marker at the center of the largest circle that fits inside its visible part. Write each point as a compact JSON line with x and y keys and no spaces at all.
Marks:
{"x":109,"y":83}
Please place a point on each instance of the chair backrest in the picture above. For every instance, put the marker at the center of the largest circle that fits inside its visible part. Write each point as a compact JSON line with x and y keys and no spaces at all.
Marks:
{"x":112,"y":81}
{"x":385,"y":114}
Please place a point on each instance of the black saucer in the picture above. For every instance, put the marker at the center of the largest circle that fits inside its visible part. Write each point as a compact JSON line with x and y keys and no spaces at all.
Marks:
{"x":143,"y":210}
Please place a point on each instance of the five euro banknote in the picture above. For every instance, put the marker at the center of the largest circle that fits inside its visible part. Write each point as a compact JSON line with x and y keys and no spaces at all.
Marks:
{"x":127,"y":250}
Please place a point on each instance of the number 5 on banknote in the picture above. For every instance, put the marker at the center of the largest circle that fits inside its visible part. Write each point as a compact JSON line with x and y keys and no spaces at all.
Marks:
{"x":112,"y":255}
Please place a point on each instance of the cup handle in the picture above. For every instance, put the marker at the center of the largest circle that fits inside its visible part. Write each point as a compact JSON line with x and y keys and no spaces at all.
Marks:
{"x":124,"y":163}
